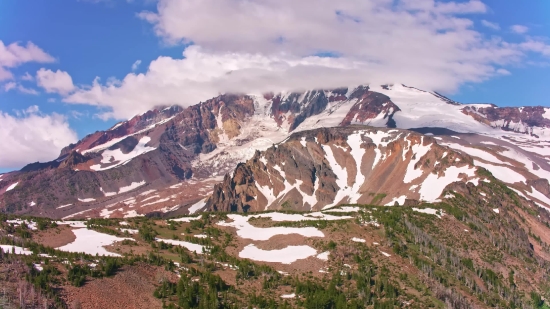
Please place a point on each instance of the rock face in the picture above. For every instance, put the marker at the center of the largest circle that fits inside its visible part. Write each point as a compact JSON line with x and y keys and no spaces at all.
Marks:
{"x":179,"y":153}
{"x":528,"y":120}
{"x":321,"y":168}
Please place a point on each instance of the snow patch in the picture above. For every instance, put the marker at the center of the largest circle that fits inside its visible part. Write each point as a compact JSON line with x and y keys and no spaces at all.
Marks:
{"x":323,"y":256}
{"x":190,"y":246}
{"x":419,"y":150}
{"x":86,"y":200}
{"x":429,"y":211}
{"x":502,"y":173}
{"x":130,"y":187}
{"x":288,"y":295}
{"x":400,"y":200}
{"x":287,"y":255}
{"x":15,"y":249}
{"x":91,"y":242}
{"x":12,"y":186}
{"x":433,"y":185}
{"x":186,"y":219}
{"x":197,"y":206}
{"x":119,"y":158}
{"x":248,"y":231}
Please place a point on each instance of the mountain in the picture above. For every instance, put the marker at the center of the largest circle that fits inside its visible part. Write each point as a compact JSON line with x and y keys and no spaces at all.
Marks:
{"x":466,"y":185}
{"x":169,"y":160}
{"x":321,"y":168}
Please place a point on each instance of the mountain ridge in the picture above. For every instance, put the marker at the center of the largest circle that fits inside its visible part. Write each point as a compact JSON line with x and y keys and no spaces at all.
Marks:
{"x":180,"y":154}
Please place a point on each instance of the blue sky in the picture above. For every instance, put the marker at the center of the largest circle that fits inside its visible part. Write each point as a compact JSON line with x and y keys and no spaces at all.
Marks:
{"x":103,"y":38}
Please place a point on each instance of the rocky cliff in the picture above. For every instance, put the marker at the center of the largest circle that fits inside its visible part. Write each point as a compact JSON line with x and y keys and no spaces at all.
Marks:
{"x":325,"y":167}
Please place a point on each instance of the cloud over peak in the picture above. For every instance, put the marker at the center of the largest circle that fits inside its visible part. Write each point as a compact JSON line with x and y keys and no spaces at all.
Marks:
{"x":271,"y":45}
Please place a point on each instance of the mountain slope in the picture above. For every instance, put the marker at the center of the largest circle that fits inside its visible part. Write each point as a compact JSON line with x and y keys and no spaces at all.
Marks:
{"x":322,"y":168}
{"x":169,"y":159}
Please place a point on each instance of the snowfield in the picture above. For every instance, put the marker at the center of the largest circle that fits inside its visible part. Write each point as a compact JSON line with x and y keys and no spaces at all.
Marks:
{"x":423,"y":109}
{"x":91,"y":242}
{"x":502,"y":173}
{"x":287,"y":255}
{"x":433,"y":185}
{"x":475,"y":152}
{"x":247,"y":231}
{"x":119,"y":158}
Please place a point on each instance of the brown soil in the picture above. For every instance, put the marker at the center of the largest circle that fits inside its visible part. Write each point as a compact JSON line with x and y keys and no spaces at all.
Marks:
{"x":132,"y":287}
{"x":57,"y":237}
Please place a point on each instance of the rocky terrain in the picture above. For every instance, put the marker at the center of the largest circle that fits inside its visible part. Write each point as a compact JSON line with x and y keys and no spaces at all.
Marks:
{"x":322,"y":168}
{"x":168,"y":160}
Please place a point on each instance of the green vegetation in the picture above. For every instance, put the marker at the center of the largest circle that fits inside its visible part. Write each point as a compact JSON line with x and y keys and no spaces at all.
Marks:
{"x":470,"y":257}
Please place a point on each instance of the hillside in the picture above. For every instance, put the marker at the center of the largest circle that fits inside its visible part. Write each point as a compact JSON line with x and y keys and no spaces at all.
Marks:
{"x":482,"y":246}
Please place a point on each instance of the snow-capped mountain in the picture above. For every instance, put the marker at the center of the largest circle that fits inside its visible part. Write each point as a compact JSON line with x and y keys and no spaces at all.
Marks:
{"x":170,"y":159}
{"x":322,"y":168}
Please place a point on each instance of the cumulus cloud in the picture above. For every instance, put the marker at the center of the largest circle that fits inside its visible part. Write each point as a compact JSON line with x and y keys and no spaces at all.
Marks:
{"x":136,"y":64}
{"x":55,"y":82}
{"x":14,"y":54}
{"x":490,"y":25}
{"x":258,"y":46}
{"x":32,"y":136}
{"x":520,"y":29}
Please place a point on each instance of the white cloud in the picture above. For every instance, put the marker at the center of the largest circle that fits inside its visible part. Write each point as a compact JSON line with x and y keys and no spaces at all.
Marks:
{"x":491,"y":25}
{"x":15,"y":54}
{"x":503,"y":72}
{"x":15,"y":86}
{"x":257,"y":46}
{"x":9,"y":86}
{"x":536,"y":46}
{"x":351,"y":27}
{"x":136,"y":64}
{"x":32,"y":137}
{"x":520,"y":29}
{"x":26,"y":90}
{"x":27,"y":77}
{"x":55,"y":82}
